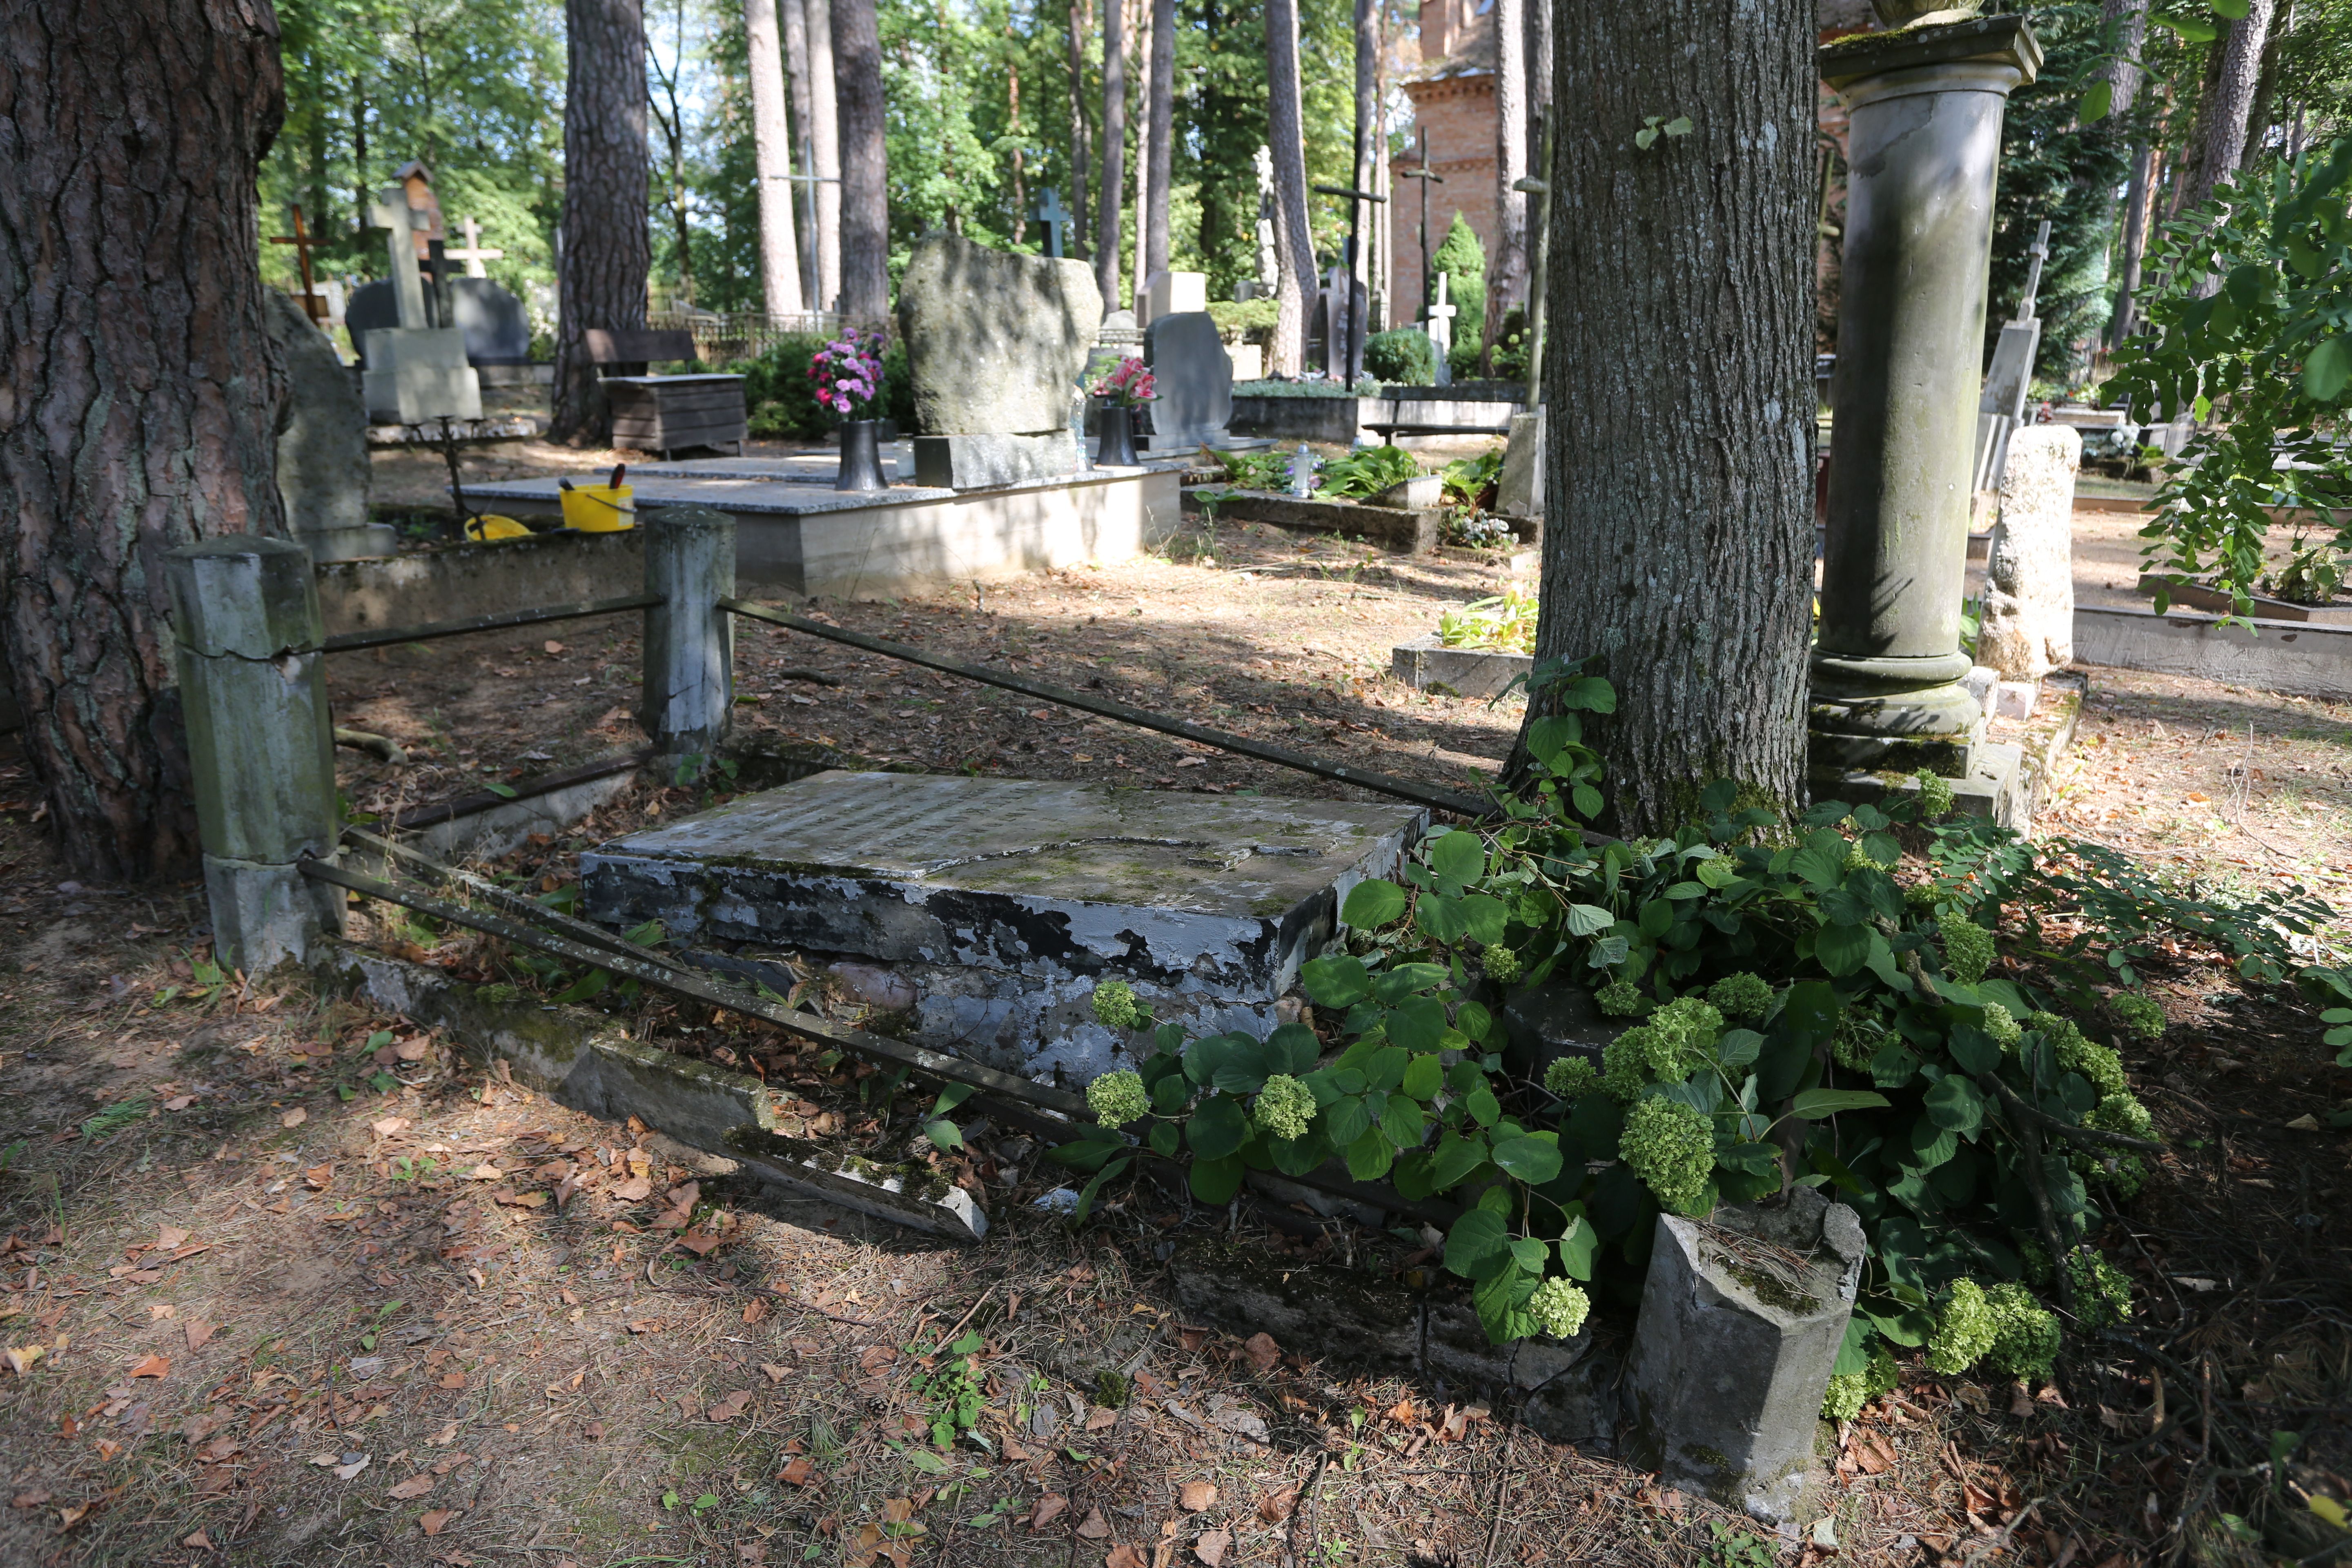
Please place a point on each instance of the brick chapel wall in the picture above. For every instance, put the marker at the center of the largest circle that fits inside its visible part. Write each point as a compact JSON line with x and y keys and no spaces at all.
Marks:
{"x":1458,"y":114}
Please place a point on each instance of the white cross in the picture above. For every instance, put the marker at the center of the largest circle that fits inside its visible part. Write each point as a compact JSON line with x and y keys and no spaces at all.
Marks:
{"x":1441,"y":320}
{"x":473,"y":255}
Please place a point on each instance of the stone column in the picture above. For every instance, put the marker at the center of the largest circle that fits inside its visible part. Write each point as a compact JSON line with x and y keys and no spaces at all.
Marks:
{"x":689,"y":677}
{"x":260,"y":742}
{"x":1923,"y":146}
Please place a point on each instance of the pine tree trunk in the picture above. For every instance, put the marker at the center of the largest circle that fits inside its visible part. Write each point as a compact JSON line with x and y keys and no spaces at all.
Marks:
{"x":824,"y":137}
{"x":2126,"y":25}
{"x":864,"y":172}
{"x":1081,"y":22}
{"x":2229,"y":98}
{"x":1293,"y":244}
{"x":607,"y":246}
{"x":141,"y":409}
{"x":2135,"y":247}
{"x":1160,"y":136}
{"x":780,"y":263}
{"x":1506,"y":268}
{"x":1108,"y":217}
{"x":1368,"y":120}
{"x":1678,"y":516}
{"x":803,"y":156}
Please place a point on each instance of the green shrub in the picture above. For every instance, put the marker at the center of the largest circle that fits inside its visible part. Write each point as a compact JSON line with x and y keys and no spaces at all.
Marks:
{"x":1512,"y":341}
{"x":1463,"y":261}
{"x":1404,"y":355}
{"x":1366,"y":472}
{"x":1244,"y":321}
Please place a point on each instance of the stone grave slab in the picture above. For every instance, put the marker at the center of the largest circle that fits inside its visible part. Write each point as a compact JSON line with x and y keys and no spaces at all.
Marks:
{"x":1194,"y":380}
{"x":1003,"y":901}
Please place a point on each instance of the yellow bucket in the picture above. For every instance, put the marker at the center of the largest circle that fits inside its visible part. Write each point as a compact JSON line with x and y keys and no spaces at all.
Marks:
{"x":599,"y":508}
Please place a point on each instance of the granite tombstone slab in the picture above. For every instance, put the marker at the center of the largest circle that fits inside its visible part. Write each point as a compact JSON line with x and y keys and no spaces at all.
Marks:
{"x":496,"y":327}
{"x":1005,"y":900}
{"x":1194,"y":377}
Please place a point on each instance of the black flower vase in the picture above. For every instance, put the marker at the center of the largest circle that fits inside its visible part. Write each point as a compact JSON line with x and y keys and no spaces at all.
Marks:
{"x":861,"y":457}
{"x":1116,"y":449}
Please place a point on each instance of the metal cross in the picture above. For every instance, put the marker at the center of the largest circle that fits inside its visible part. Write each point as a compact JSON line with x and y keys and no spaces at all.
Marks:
{"x":1050,"y":211}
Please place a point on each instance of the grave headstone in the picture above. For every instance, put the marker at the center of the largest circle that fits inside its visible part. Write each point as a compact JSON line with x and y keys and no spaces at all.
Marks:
{"x":1194,"y":380}
{"x":1174,"y":294}
{"x":1341,"y":301}
{"x":2028,"y":627}
{"x":496,"y":326}
{"x":1003,"y":902}
{"x":323,"y":473}
{"x":416,"y":371}
{"x":1519,"y":490}
{"x":994,"y":342}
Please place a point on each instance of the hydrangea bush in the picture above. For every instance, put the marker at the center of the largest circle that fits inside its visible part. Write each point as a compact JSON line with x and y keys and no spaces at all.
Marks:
{"x":1789,"y":1013}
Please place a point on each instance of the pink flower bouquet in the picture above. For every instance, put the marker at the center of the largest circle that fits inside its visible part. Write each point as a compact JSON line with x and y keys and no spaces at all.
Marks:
{"x":1128,"y":386}
{"x":847,"y":373}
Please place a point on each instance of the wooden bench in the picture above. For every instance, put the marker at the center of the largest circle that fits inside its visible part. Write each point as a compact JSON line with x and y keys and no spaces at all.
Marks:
{"x":661,"y":414}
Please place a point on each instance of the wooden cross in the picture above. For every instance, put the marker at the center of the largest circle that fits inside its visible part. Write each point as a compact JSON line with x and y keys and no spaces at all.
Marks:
{"x":471,"y":253}
{"x":1050,"y":211}
{"x":314,"y":304}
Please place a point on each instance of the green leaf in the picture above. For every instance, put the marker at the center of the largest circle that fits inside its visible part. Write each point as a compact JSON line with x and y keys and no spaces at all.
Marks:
{"x":1534,"y":1160}
{"x":2235,"y":10}
{"x":1458,"y":856}
{"x":1842,"y":949}
{"x":1585,"y":919}
{"x":1441,"y":918}
{"x":1369,"y":1157}
{"x":2095,"y":102}
{"x":1164,"y":1138}
{"x":1550,"y":735}
{"x":1589,"y":693}
{"x":1422,"y":1075}
{"x":504,"y":792}
{"x":1476,"y":1238}
{"x":1344,"y":1120}
{"x":1587,"y":801}
{"x":1644,"y":137}
{"x":1973,"y":1048}
{"x":1088,"y":1194}
{"x":1214,"y":1182}
{"x":1401,"y":1120}
{"x":1371,"y":904}
{"x":1217,"y":1127}
{"x":1483,"y":1106}
{"x":1577,"y":1247}
{"x":1955,"y":1103}
{"x":1417,"y":1024}
{"x":1822,"y":861}
{"x":2328,"y":369}
{"x":587,"y":985}
{"x":1815,"y":1103}
{"x":1484,"y":918}
{"x":1340,"y":982}
{"x":1292,"y":1048}
{"x":1455,"y":1159}
{"x":944,"y":1134}
{"x":1680,"y":125}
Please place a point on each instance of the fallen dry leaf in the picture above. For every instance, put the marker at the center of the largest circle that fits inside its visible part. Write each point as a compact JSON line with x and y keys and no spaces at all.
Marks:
{"x":157,"y":1311}
{"x":198,"y":1331}
{"x":1125,"y":1556}
{"x":153,"y":1366}
{"x":415,"y":1486}
{"x":294,"y":1117}
{"x":1275,"y":1507}
{"x":799,"y":1473}
{"x":108,"y":1447}
{"x":1101,"y":1417}
{"x":636,"y":1190}
{"x":453,"y":1380}
{"x":1212,"y":1546}
{"x":70,"y":1517}
{"x":432,"y":1523}
{"x":443,"y":1438}
{"x":755,"y":1310}
{"x":29,"y":1500}
{"x":1049,"y":1508}
{"x":21,"y":1358}
{"x":169,"y":1236}
{"x":1096,"y":1526}
{"x":1195,"y":1496}
{"x":732,"y":1406}
{"x":775,"y":1374}
{"x":353,"y":1469}
{"x":199,"y":1542}
{"x":1263,"y":1351}
{"x":385,"y":1126}
{"x":413,"y":1049}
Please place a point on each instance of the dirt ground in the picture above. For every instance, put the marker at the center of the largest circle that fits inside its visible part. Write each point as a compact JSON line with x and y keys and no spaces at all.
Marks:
{"x":285,"y":1281}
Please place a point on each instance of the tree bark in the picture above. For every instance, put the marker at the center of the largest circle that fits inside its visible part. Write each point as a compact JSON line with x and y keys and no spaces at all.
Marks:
{"x":1108,"y":217}
{"x":2126,"y":24}
{"x":825,"y":138}
{"x":2222,"y":118}
{"x":2126,"y":21}
{"x":608,"y":249}
{"x":142,"y":405}
{"x":1361,"y":225}
{"x":1293,"y":244}
{"x":771,"y":141}
{"x":1160,"y":136}
{"x":1678,"y":501}
{"x":1506,"y":268}
{"x":864,"y":171}
{"x":1082,"y":22}
{"x":2135,"y":247}
{"x":803,"y":155}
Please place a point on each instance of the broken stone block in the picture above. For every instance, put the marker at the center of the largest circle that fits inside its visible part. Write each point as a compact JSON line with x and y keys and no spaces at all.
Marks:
{"x":1001,"y":902}
{"x":1742,"y":1318}
{"x":2029,"y":593}
{"x":1558,"y":1019}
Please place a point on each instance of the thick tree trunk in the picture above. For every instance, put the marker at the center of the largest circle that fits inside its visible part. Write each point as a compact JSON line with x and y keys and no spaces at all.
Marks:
{"x":141,"y":404}
{"x":1159,"y":131}
{"x":2135,"y":247}
{"x":864,"y":171}
{"x":2229,"y":97}
{"x":1293,"y":244}
{"x":804,"y":153}
{"x":771,"y":141}
{"x":1082,"y":22}
{"x":607,"y":248}
{"x":1678,"y":517}
{"x":1535,"y":64}
{"x":1368,"y":76}
{"x":1109,"y":219}
{"x":825,"y":138}
{"x":1506,"y":268}
{"x":2126,"y":24}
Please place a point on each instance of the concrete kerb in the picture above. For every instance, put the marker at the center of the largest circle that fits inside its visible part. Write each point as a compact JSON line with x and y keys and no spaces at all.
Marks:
{"x":581,"y":1059}
{"x":1425,"y":663}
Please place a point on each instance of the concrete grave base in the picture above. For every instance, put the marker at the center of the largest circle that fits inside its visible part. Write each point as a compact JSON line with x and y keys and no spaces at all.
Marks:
{"x":2299,"y":658}
{"x":1565,"y":1390}
{"x":1399,"y":529}
{"x":986,"y":462}
{"x":1425,"y":662}
{"x":1013,"y":896}
{"x":1734,"y":1348}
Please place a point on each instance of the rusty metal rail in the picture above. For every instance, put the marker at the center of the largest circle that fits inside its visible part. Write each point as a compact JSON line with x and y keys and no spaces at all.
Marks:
{"x":1281,"y":756}
{"x":353,"y":642}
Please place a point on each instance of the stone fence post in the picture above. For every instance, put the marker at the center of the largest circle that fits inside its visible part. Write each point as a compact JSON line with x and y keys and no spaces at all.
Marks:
{"x":260,"y":742}
{"x":689,"y":677}
{"x":1927,"y":104}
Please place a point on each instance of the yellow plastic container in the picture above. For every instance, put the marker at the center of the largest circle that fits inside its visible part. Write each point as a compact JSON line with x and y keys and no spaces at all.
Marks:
{"x":599,"y":508}
{"x":490,"y":527}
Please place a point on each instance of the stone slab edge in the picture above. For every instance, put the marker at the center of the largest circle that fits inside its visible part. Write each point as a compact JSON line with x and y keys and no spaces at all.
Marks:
{"x":2296,"y":657}
{"x":580,"y":1059}
{"x":1425,"y":662}
{"x":1397,"y":529}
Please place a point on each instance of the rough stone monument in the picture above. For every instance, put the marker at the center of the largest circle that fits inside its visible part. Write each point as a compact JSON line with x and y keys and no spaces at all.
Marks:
{"x":417,"y":371}
{"x":1194,"y":379}
{"x":323,"y":473}
{"x":1519,"y":489}
{"x":1742,"y":1318}
{"x":1926,"y":105}
{"x":994,"y":342}
{"x":2028,"y":627}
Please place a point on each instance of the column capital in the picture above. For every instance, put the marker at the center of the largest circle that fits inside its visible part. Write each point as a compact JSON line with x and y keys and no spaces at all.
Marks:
{"x":2001,"y":45}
